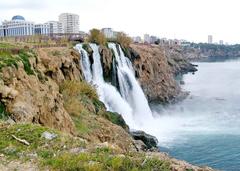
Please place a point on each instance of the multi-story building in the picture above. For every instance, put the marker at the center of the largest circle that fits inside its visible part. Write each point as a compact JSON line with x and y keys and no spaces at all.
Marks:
{"x":55,"y":27}
{"x":70,"y":22}
{"x":108,"y":33}
{"x":146,"y":38}
{"x":16,"y":27}
{"x":221,"y":42}
{"x":210,"y":39}
{"x":42,"y":29}
{"x":153,"y":39}
{"x":137,"y":39}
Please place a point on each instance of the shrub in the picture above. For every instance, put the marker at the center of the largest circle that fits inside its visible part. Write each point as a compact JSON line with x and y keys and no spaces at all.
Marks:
{"x":77,"y":97}
{"x":78,"y":88}
{"x":96,"y":36}
{"x":3,"y":114}
{"x":123,"y":40}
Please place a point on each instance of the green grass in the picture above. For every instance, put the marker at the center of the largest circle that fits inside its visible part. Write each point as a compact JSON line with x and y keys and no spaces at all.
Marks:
{"x":105,"y":160}
{"x":6,"y":45}
{"x":55,"y":155}
{"x":44,"y":148}
{"x":9,"y":59}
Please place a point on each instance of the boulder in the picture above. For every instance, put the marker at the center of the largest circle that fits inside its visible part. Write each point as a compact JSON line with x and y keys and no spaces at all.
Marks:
{"x":149,"y":140}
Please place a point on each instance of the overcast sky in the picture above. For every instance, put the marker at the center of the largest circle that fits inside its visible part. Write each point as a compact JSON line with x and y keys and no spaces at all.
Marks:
{"x":192,"y":20}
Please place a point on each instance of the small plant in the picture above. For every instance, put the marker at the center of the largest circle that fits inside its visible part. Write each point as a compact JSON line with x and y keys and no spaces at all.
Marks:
{"x":56,"y":53}
{"x":3,"y":114}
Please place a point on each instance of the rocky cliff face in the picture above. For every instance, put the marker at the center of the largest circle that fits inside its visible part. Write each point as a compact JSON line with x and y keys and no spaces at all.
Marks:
{"x":35,"y":97}
{"x":155,"y":69}
{"x":178,"y":62}
{"x":154,"y":73}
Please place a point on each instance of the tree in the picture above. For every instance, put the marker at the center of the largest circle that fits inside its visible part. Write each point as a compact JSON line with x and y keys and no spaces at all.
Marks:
{"x":96,"y":36}
{"x":123,"y":39}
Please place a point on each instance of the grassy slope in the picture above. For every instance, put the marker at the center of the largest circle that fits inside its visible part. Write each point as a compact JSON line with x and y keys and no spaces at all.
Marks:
{"x":58,"y":153}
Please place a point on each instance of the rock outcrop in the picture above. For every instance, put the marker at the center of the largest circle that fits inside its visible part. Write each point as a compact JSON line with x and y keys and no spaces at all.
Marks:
{"x":154,"y":73}
{"x":149,"y":140}
{"x":35,"y":98}
{"x":178,"y":63}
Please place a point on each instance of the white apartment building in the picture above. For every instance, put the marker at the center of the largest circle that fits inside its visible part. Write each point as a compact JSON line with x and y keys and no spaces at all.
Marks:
{"x":42,"y":29}
{"x":210,"y":39}
{"x":70,"y":22}
{"x":17,"y":27}
{"x":55,"y":27}
{"x":108,"y":33}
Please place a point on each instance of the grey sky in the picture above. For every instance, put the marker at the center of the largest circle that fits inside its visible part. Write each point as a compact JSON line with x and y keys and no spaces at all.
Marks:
{"x":183,"y":19}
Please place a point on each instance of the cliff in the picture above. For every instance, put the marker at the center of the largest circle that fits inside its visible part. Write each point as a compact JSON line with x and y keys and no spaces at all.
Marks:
{"x":155,"y":68}
{"x":204,"y":50}
{"x":154,"y":73}
{"x":52,"y":120}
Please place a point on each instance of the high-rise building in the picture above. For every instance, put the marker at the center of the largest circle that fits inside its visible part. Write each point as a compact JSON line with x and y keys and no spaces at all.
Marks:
{"x":55,"y":27}
{"x":210,"y":39}
{"x":17,"y":27}
{"x":70,"y":22}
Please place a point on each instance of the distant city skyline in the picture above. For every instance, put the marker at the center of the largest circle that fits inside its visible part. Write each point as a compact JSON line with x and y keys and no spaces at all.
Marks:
{"x":192,"y":20}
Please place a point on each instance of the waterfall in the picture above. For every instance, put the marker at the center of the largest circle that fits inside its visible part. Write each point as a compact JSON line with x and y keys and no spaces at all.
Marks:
{"x":130,"y":100}
{"x":107,"y":93}
{"x":129,"y":87}
{"x":85,"y":63}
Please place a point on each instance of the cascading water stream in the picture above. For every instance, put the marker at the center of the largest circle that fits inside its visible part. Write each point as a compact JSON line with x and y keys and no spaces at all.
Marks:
{"x":131,"y":101}
{"x":130,"y":88}
{"x":108,"y":94}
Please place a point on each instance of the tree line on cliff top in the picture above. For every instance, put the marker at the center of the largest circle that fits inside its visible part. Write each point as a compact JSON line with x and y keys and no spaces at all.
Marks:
{"x":96,"y":36}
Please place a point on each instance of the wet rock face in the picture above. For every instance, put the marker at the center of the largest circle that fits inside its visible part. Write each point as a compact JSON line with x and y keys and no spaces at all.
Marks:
{"x":154,"y":73}
{"x":149,"y":140}
{"x":106,"y":60}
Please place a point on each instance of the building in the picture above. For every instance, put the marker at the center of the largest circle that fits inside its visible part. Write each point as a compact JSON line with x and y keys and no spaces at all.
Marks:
{"x":146,"y":38}
{"x":70,"y":22}
{"x":210,"y":39}
{"x":17,"y":27}
{"x":221,"y":42}
{"x":153,"y":39}
{"x":55,"y":27}
{"x":108,"y":33}
{"x":42,"y":29}
{"x":137,"y":39}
